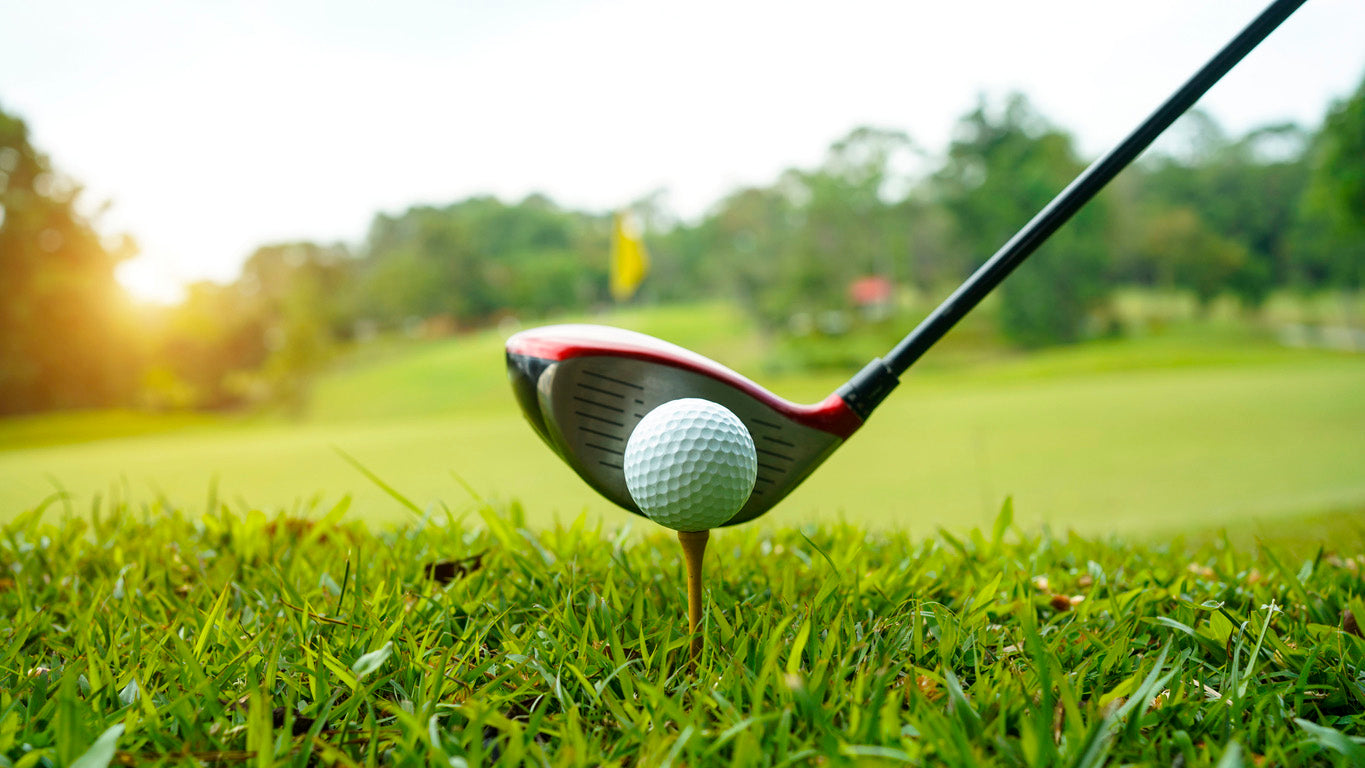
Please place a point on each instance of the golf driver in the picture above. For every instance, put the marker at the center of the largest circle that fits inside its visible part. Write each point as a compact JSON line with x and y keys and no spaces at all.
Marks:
{"x":584,"y":388}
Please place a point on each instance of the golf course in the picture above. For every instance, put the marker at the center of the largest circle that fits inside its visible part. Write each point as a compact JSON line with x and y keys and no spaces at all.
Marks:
{"x":1204,"y":426}
{"x":469,"y":385}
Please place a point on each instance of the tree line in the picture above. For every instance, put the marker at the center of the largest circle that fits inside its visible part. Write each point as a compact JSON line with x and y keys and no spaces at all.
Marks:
{"x":1279,"y":207}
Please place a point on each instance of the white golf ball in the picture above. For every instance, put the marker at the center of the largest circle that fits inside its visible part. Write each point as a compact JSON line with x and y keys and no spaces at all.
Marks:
{"x":690,"y":464}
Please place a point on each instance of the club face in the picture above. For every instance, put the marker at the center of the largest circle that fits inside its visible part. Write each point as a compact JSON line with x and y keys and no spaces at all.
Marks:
{"x":586,"y":405}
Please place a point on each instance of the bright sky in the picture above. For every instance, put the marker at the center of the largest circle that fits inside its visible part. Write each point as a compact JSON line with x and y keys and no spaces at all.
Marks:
{"x":214,"y":127}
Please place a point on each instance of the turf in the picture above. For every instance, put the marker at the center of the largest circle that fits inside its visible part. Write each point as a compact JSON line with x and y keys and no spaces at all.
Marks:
{"x":141,"y":635}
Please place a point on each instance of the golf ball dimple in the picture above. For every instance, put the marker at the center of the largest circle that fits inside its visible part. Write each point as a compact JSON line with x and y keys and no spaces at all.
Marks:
{"x":690,"y":464}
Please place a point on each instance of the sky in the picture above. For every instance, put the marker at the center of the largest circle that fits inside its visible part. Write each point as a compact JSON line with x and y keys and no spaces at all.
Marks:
{"x":211,"y":127}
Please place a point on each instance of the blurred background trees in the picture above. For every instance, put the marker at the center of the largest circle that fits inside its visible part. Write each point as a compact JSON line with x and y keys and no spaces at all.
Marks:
{"x":1330,"y":234}
{"x":66,"y":335}
{"x":877,"y":226}
{"x":1001,"y":170}
{"x":477,"y":258}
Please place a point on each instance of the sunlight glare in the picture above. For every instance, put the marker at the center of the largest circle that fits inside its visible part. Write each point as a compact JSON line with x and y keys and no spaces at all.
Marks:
{"x":148,"y":282}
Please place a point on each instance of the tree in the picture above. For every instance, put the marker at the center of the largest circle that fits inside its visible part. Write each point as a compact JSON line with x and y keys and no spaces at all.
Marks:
{"x":480,"y":257}
{"x":66,"y":336}
{"x":205,"y":348}
{"x":849,"y":225}
{"x":1330,"y":226}
{"x":295,"y":288}
{"x":1244,"y":191}
{"x":793,"y":248}
{"x":749,"y":243}
{"x":1339,"y":170}
{"x":1002,"y":168}
{"x":1186,"y":253}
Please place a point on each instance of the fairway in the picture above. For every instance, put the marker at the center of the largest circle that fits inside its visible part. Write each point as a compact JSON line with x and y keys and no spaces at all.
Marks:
{"x":1146,"y":434}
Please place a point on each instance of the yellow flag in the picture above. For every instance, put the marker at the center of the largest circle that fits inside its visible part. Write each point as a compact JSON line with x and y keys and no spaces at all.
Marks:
{"x":629,"y":259}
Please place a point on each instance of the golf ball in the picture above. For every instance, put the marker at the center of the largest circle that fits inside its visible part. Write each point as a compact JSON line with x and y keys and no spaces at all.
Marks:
{"x":690,"y":464}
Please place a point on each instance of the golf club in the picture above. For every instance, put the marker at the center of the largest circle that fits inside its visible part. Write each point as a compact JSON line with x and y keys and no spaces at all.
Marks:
{"x":583,"y":388}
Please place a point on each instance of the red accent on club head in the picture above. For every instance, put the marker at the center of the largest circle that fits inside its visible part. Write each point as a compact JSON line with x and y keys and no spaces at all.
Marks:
{"x":830,"y":415}
{"x":562,"y":342}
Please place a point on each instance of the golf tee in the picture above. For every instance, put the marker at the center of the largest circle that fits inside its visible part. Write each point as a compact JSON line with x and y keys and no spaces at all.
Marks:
{"x":694,"y":549}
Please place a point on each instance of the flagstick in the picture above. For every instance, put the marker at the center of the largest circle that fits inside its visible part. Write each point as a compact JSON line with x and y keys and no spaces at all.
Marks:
{"x":694,"y":547}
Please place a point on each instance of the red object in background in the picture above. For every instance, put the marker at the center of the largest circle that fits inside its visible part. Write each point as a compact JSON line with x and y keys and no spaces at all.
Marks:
{"x":866,"y":291}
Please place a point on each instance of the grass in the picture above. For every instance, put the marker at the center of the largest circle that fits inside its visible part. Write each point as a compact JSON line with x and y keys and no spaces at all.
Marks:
{"x":137,"y":634}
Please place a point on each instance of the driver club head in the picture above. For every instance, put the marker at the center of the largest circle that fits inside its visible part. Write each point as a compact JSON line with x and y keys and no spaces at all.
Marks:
{"x":583,"y":388}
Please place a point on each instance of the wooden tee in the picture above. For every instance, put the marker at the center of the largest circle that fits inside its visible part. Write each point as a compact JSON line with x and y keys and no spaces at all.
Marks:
{"x":694,"y":548}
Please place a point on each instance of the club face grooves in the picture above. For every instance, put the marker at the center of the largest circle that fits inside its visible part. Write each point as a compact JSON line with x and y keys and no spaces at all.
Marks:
{"x":590,"y":405}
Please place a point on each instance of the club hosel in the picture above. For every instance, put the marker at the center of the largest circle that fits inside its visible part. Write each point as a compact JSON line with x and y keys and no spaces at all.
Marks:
{"x":868,"y":388}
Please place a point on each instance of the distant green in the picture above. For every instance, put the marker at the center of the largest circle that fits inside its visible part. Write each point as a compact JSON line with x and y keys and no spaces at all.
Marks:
{"x":1190,"y":426}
